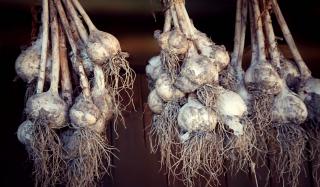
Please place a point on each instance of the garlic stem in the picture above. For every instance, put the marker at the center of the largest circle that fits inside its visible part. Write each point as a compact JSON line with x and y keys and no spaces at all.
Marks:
{"x":55,"y":69}
{"x":174,"y":17}
{"x":244,"y":16}
{"x":259,"y":31}
{"x":273,"y":48}
{"x":44,"y":46}
{"x":253,"y":34}
{"x":78,"y":22}
{"x":237,"y":35}
{"x":66,"y":85}
{"x":304,"y":70}
{"x":167,"y":21}
{"x":84,"y":83}
{"x":85,"y":16}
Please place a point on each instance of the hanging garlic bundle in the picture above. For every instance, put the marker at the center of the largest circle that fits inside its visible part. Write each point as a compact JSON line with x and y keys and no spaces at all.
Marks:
{"x":193,"y":115}
{"x":275,"y":111}
{"x":298,"y":77}
{"x":65,"y":132}
{"x":46,"y":111}
{"x":288,"y":113}
{"x":237,"y":100}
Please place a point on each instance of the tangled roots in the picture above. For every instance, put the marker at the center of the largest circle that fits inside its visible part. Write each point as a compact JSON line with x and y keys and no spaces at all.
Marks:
{"x":240,"y":149}
{"x":164,"y":131}
{"x":227,"y":79}
{"x":46,"y":152}
{"x":120,"y":78}
{"x":313,"y":133}
{"x":288,"y":142}
{"x":202,"y":153}
{"x":86,"y":161}
{"x":119,"y":71}
{"x":260,"y":116}
{"x":207,"y":96}
{"x":170,"y":62}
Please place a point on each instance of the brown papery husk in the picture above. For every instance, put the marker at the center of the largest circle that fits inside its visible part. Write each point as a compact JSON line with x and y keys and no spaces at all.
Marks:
{"x":88,"y":157}
{"x":202,"y":153}
{"x":163,"y":135}
{"x":287,"y":142}
{"x":46,"y":152}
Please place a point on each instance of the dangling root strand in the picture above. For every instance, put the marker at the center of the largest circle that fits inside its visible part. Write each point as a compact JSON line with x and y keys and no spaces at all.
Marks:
{"x":163,"y":134}
{"x":91,"y":158}
{"x":202,"y":153}
{"x":288,"y":142}
{"x":46,"y":152}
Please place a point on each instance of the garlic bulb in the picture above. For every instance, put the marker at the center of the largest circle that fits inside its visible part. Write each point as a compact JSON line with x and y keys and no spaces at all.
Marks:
{"x":290,"y":72}
{"x":50,"y":105}
{"x":101,"y":46}
{"x":174,"y":41}
{"x":288,"y":108}
{"x":231,"y":108}
{"x":185,"y":85}
{"x":27,"y":63}
{"x":199,"y":70}
{"x":263,"y":77}
{"x":154,"y":69}
{"x":25,"y":132}
{"x":166,"y":90}
{"x":209,"y":49}
{"x":156,"y":104}
{"x":84,"y":112}
{"x":193,"y":116}
{"x":309,"y":92}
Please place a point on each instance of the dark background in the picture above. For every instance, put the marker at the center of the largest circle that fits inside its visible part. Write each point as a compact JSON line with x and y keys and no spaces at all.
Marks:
{"x":133,"y":22}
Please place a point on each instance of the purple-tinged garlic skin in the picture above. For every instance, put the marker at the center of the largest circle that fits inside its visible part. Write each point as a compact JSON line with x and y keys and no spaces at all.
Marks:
{"x":25,"y":132}
{"x":52,"y":106}
{"x":155,"y":103}
{"x":290,"y":73}
{"x":262,"y":76}
{"x":102,"y":46}
{"x":166,"y":90}
{"x":310,"y":86}
{"x":84,"y":112}
{"x":173,"y":41}
{"x":309,"y":92}
{"x":288,"y":108}
{"x":154,"y":68}
{"x":27,"y":63}
{"x":86,"y":62}
{"x":193,"y":116}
